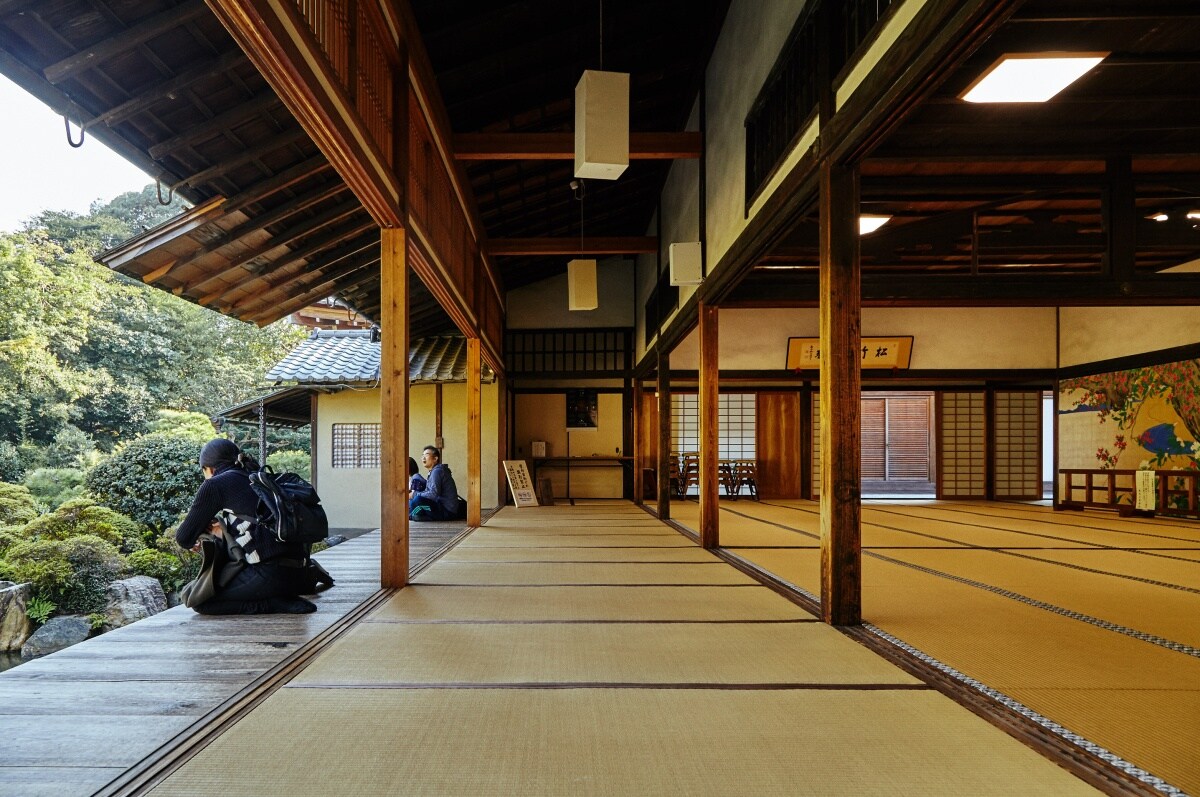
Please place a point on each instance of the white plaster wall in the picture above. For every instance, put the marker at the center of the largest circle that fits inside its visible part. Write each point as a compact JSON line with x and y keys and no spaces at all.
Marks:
{"x":749,"y":44}
{"x":1091,"y":334}
{"x":943,"y":338}
{"x":454,"y":435}
{"x":350,"y":495}
{"x":543,"y":305}
{"x":543,"y":416}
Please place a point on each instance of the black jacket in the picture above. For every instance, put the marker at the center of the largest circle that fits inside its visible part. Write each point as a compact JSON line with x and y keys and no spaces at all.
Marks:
{"x":229,"y":488}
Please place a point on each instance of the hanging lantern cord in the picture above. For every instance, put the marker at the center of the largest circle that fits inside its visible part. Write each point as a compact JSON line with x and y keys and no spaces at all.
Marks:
{"x":262,"y":432}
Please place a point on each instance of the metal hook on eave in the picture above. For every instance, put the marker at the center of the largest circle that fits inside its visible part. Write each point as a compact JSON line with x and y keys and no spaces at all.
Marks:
{"x":170,"y":191}
{"x":82,"y":132}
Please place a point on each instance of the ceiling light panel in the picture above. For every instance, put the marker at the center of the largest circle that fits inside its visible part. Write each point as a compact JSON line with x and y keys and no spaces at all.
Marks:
{"x":1030,"y":77}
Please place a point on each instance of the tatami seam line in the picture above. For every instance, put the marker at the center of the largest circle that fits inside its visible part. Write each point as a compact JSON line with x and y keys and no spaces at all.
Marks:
{"x":591,"y":622}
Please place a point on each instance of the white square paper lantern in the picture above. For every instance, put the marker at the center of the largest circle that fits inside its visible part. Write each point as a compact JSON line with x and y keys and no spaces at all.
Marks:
{"x":602,"y":125}
{"x":581,"y":285}
{"x":687,"y":261}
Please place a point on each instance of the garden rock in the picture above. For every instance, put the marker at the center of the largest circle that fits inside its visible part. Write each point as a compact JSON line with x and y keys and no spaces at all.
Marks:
{"x":133,"y":599}
{"x":14,"y":623}
{"x":56,"y":634}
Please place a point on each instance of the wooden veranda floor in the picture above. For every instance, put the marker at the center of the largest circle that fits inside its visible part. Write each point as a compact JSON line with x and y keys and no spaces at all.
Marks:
{"x":76,"y":721}
{"x":1083,"y":621}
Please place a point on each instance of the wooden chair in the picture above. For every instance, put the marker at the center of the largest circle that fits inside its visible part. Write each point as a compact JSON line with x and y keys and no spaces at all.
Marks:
{"x":745,"y":475}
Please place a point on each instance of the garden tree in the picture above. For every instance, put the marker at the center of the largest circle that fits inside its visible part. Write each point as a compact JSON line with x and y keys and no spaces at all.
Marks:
{"x":53,"y":487}
{"x":71,"y":448}
{"x":82,"y":346}
{"x":194,"y":425}
{"x":106,"y":224}
{"x":151,"y":479}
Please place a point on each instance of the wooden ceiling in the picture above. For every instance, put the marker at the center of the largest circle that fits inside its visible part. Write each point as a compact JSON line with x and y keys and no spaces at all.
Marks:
{"x":1034,"y":203}
{"x":511,"y":67}
{"x":164,"y":84}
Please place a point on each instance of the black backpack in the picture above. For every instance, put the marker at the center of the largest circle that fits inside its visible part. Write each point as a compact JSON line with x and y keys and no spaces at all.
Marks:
{"x":289,"y":507}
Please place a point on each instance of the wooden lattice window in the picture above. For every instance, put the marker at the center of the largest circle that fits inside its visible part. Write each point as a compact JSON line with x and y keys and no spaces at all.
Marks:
{"x":356,"y":445}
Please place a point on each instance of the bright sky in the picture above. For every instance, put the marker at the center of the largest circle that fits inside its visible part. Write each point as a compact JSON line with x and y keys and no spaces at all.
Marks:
{"x":39,"y":171}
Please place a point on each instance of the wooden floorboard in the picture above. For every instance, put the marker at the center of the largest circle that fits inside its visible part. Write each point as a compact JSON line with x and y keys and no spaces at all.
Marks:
{"x":73,"y":721}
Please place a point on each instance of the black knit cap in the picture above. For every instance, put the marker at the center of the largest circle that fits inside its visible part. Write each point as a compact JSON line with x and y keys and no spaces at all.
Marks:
{"x":219,"y":451}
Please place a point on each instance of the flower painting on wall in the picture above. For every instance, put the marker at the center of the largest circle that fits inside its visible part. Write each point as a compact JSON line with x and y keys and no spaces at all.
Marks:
{"x":1140,"y":418}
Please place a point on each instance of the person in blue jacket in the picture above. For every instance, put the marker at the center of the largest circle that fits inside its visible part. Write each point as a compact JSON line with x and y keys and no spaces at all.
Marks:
{"x":439,"y":500}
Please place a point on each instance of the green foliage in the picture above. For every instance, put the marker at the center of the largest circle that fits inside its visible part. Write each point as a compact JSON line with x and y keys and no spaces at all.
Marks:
{"x":39,"y":609}
{"x":17,"y":504}
{"x":152,"y":479}
{"x":297,"y":462}
{"x":53,"y":487}
{"x":73,"y":573}
{"x":83,"y":516}
{"x":181,"y":423}
{"x":70,"y":448}
{"x":11,"y":468}
{"x":9,"y":536}
{"x":97,"y":620}
{"x":168,"y":568}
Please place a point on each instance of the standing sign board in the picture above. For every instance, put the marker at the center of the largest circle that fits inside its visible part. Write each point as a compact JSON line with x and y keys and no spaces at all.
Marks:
{"x":519,"y":482}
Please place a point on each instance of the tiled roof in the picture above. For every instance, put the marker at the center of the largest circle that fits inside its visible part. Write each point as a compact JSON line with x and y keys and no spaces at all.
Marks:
{"x":352,"y":357}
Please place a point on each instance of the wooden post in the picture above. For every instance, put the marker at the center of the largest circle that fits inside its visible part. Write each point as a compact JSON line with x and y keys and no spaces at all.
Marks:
{"x":709,"y":423}
{"x":393,"y":405}
{"x":664,"y":436}
{"x":636,"y":451}
{"x":474,"y":434}
{"x":841,"y":364}
{"x":501,"y":438}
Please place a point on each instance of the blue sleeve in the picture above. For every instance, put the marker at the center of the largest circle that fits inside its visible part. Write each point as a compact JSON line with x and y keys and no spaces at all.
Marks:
{"x":433,"y":486}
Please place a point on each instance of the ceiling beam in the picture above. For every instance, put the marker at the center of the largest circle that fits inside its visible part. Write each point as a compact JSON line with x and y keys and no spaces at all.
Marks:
{"x":561,"y":146}
{"x":148,"y":97}
{"x":571,"y":246}
{"x":125,"y":40}
{"x":230,"y":119}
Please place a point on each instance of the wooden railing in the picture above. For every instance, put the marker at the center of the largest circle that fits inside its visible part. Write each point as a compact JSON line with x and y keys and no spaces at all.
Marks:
{"x":1115,"y":489}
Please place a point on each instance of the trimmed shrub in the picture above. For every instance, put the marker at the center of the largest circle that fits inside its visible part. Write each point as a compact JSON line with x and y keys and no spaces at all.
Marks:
{"x":53,"y":487}
{"x":73,"y":574}
{"x":195,"y":426}
{"x":172,"y":571}
{"x":151,"y":479}
{"x":17,"y":504}
{"x":83,"y":516}
{"x":298,"y":462}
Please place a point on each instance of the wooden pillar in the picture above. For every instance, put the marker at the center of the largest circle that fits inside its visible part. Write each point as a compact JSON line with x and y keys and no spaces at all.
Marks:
{"x":474,"y":434}
{"x":501,"y":438}
{"x":709,"y":427}
{"x":393,"y":322}
{"x":664,"y":436}
{"x":636,"y":450}
{"x":841,"y":364}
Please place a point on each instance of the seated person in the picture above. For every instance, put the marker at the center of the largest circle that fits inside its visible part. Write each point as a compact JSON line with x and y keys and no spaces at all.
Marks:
{"x":275,"y":574}
{"x":439,"y":500}
{"x":416,"y":482}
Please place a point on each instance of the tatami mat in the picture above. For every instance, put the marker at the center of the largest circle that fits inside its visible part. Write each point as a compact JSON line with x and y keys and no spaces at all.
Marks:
{"x":620,"y":742}
{"x":519,"y":573}
{"x":425,"y":603}
{"x":491,"y":539}
{"x":578,"y":554}
{"x":659,"y":653}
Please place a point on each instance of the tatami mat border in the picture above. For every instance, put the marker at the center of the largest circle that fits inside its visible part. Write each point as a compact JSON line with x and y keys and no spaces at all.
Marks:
{"x":1159,"y":785}
{"x":1087,"y":760}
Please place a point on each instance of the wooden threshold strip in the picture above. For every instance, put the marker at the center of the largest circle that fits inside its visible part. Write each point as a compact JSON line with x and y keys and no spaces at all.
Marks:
{"x":594,"y":622}
{"x":572,"y":584}
{"x":734,"y":687}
